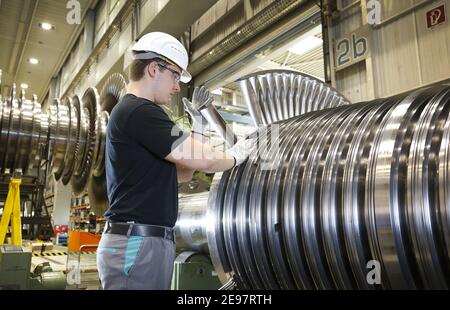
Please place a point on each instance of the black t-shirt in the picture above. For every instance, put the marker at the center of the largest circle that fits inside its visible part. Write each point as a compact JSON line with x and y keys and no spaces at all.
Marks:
{"x":142,"y":186}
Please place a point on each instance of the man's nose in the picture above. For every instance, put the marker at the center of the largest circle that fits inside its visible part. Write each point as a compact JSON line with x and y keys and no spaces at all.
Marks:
{"x":177,"y":87}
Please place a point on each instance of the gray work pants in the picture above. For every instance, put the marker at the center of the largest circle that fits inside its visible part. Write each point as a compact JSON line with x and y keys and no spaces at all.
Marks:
{"x":135,"y":263}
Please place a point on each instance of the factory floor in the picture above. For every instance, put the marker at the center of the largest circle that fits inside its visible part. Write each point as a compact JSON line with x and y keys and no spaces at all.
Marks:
{"x":60,"y":259}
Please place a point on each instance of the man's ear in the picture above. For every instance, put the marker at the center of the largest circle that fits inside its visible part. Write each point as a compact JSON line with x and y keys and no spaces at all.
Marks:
{"x":151,"y":69}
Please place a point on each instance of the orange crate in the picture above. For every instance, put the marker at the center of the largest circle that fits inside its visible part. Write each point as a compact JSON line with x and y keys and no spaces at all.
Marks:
{"x":78,"y":238}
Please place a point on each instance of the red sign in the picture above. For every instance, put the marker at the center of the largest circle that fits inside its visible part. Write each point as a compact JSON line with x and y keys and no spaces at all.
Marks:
{"x":436,"y":16}
{"x":61,"y":228}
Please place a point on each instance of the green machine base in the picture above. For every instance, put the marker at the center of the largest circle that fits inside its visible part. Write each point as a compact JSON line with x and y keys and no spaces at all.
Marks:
{"x":15,"y":265}
{"x":194,"y":271}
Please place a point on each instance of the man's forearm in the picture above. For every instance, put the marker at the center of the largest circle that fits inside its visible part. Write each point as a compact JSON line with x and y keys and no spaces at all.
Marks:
{"x":199,"y":137}
{"x":220,"y":162}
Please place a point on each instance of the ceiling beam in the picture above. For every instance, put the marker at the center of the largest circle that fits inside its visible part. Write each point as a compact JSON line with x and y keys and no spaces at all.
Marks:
{"x":25,"y":41}
{"x":20,"y":37}
{"x":173,"y":19}
{"x":67,"y":48}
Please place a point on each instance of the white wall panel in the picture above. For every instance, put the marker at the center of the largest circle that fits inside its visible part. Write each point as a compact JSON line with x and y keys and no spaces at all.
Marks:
{"x":405,"y":54}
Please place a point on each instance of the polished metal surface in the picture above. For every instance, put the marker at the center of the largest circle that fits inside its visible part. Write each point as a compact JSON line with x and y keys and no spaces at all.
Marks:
{"x":277,"y":95}
{"x":341,"y":186}
{"x":345,"y":187}
{"x":72,"y":139}
{"x":59,"y":133}
{"x":218,"y":124}
{"x":74,"y":131}
{"x":90,"y":106}
{"x":97,"y":182}
{"x":25,"y":134}
{"x":190,"y":230}
{"x":23,"y":129}
{"x":12,"y":127}
{"x":71,"y":162}
{"x":113,"y":89}
{"x":39,"y":134}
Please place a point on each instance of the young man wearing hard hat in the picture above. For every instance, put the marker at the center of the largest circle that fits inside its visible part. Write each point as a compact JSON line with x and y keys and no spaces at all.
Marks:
{"x":145,"y":158}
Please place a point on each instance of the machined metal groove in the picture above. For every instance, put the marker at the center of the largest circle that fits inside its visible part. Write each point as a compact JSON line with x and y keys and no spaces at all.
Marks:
{"x":61,"y":137}
{"x":405,"y":114}
{"x":79,"y":176}
{"x":444,"y":190}
{"x":99,"y":149}
{"x":13,"y":127}
{"x":74,"y":128}
{"x":35,"y":139}
{"x":97,"y":181}
{"x":310,"y":214}
{"x":245,"y":241}
{"x":257,"y":240}
{"x":331,"y":208}
{"x":234,"y":254}
{"x":357,"y":243}
{"x":347,"y":184}
{"x":350,"y":185}
{"x":275,"y":221}
{"x":24,"y":135}
{"x":9,"y":106}
{"x":420,"y":177}
{"x":214,"y":230}
{"x":291,"y":231}
{"x":90,"y":105}
{"x":79,"y":138}
{"x":16,"y":133}
{"x":4,"y":124}
{"x":113,"y":89}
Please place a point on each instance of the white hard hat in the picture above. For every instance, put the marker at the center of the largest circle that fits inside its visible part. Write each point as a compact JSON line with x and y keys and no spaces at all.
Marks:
{"x":165,"y":45}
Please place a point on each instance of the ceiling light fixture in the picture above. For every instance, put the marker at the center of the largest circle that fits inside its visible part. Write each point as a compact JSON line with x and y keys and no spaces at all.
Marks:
{"x":33,"y":61}
{"x":24,"y":85}
{"x":46,"y":26}
{"x":217,"y":92}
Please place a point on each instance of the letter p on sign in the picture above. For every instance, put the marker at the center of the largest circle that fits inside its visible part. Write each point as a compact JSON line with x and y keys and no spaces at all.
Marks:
{"x":436,"y":16}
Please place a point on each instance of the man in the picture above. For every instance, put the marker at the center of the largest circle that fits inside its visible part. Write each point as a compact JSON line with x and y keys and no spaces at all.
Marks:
{"x":146,"y":154}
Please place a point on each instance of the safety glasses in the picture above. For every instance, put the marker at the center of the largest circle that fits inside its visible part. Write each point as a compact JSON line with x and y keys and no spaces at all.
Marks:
{"x":175,"y":74}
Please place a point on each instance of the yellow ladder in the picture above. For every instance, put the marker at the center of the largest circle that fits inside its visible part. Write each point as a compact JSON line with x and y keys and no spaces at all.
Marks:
{"x":12,"y":208}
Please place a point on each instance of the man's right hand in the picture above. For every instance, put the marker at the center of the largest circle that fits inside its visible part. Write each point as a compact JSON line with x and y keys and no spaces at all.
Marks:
{"x":242,"y":150}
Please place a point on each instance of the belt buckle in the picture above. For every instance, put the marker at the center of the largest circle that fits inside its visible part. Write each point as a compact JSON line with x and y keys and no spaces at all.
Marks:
{"x":168,"y":234}
{"x":130,"y":228}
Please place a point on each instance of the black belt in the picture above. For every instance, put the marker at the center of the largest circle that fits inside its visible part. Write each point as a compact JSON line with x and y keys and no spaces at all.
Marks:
{"x":132,"y":229}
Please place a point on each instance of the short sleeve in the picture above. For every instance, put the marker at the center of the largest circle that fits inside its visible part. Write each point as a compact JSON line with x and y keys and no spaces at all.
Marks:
{"x":152,"y":128}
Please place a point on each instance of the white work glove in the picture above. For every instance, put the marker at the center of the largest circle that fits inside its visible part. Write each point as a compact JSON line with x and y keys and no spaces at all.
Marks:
{"x":200,"y":98}
{"x":242,"y":150}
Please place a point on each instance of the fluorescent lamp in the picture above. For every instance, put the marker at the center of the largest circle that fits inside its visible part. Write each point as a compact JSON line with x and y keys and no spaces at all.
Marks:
{"x":305,"y":45}
{"x":217,"y":91}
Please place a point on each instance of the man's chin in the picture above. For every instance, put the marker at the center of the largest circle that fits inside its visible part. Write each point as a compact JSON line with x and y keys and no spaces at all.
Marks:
{"x":161,"y":102}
